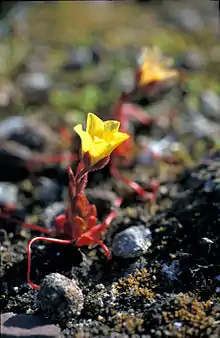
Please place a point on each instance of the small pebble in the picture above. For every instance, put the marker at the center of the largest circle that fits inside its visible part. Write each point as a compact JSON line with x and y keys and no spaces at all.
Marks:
{"x":11,"y":125}
{"x":51,"y":212}
{"x":34,"y":81}
{"x":81,"y":57}
{"x":59,"y":297}
{"x":35,"y":87}
{"x":132,"y":242}
{"x":8,"y":193}
{"x":210,"y":105}
{"x":192,"y":60}
{"x":126,"y":79}
{"x":189,"y":19}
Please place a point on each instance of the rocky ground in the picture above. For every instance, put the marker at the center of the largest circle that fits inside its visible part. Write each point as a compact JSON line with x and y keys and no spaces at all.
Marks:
{"x":164,"y":276}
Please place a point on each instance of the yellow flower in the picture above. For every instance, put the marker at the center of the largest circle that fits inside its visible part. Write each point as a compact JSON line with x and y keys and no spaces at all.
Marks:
{"x":154,"y":67}
{"x":100,"y":138}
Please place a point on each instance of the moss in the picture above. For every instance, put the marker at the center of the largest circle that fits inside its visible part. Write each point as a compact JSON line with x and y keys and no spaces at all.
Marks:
{"x":195,"y":318}
{"x":133,"y":291}
{"x":126,"y":323}
{"x":136,"y":284}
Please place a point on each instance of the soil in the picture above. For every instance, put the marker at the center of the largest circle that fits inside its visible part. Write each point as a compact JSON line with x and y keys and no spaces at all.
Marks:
{"x":173,"y":287}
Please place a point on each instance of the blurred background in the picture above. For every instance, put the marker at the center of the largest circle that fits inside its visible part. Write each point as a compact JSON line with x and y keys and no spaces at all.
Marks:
{"x":77,"y":55}
{"x":61,"y":59}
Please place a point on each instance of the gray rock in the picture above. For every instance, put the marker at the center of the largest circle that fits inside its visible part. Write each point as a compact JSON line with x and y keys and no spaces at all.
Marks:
{"x":9,"y":95}
{"x":210,"y":105}
{"x":34,"y":81}
{"x":126,"y":79}
{"x":35,"y":87}
{"x":60,"y":298}
{"x":11,"y":125}
{"x":51,"y":212}
{"x":81,"y":57}
{"x":192,"y":60}
{"x":8,"y":193}
{"x":189,"y":19}
{"x":22,"y":325}
{"x":132,"y":242}
{"x":200,"y":125}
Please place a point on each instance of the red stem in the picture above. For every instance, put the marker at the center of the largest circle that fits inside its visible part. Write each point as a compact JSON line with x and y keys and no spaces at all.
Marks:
{"x":140,"y":191}
{"x":51,"y":159}
{"x":113,"y":213}
{"x":103,"y":246}
{"x":27,"y":225}
{"x":53,"y":240}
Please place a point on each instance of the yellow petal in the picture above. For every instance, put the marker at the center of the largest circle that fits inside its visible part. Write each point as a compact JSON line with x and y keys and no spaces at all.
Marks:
{"x":95,"y":126}
{"x":117,"y":139}
{"x":86,"y":140}
{"x":100,"y":149}
{"x":111,"y":126}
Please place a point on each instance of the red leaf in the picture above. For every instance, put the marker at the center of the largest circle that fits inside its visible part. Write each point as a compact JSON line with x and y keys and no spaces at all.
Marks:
{"x":75,"y":228}
{"x":80,"y":168}
{"x":82,"y":184}
{"x":91,"y":221}
{"x":82,"y":206}
{"x":92,"y":211}
{"x":132,"y":111}
{"x":59,"y":223}
{"x":72,"y":184}
{"x":86,"y":160}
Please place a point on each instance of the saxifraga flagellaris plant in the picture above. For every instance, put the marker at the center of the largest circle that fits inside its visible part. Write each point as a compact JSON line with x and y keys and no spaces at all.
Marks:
{"x":152,"y":72}
{"x":79,"y":223}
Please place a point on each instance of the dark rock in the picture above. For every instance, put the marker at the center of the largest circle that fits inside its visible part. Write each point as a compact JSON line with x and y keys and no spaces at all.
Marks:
{"x":13,"y":161}
{"x":30,"y":132}
{"x":11,"y":219}
{"x":59,"y":297}
{"x":132,"y":242}
{"x":29,"y":138}
{"x":22,"y":325}
{"x":156,"y":92}
{"x":48,"y":191}
{"x":103,"y":200}
{"x":3,"y":235}
{"x":43,"y":130}
{"x":8,"y":193}
{"x":210,"y":105}
{"x":197,"y":208}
